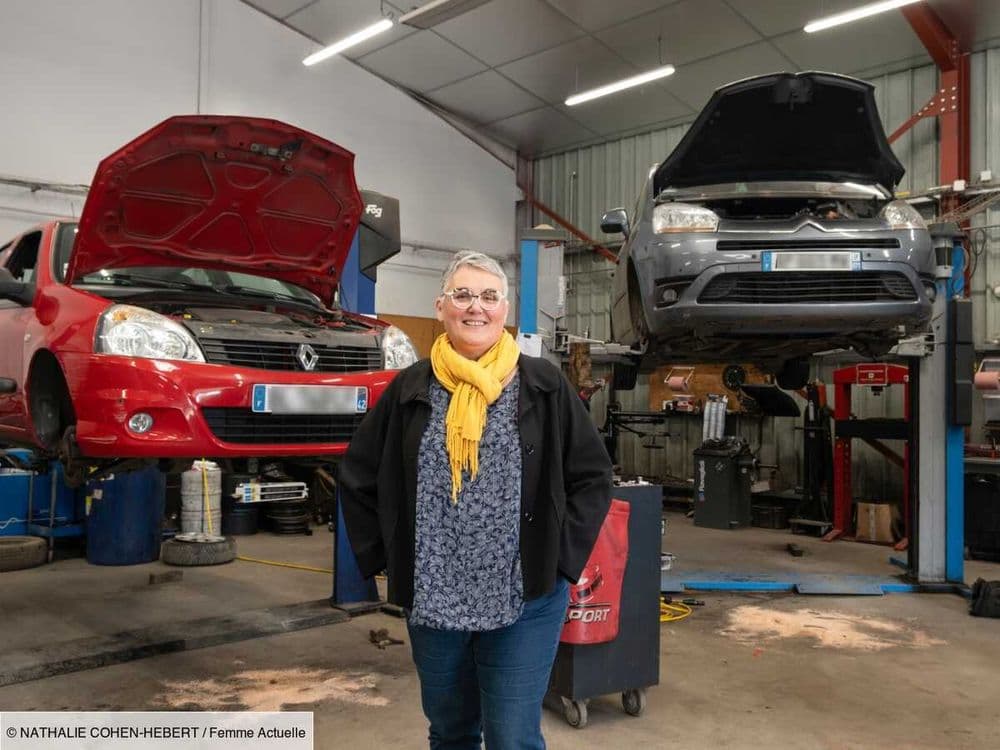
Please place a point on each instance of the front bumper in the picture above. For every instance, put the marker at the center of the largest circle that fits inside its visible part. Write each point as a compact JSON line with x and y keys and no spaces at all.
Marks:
{"x":692,"y":315}
{"x":690,"y":262}
{"x":191,"y":404}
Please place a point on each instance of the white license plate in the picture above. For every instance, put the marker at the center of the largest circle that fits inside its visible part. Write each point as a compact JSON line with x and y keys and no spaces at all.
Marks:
{"x":309,"y":399}
{"x":811,"y":261}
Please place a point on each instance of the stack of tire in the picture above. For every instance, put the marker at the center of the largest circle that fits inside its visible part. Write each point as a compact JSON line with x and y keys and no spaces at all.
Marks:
{"x":289,"y":517}
{"x":204,"y":547}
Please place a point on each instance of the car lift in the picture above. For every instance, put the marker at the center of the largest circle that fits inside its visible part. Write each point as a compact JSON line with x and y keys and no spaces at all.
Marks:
{"x":940,"y":409}
{"x":940,"y":368}
{"x":377,"y":240}
{"x":939,"y":406}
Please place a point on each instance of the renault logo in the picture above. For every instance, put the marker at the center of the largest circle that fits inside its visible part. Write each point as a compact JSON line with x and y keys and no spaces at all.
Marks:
{"x":307,"y":357}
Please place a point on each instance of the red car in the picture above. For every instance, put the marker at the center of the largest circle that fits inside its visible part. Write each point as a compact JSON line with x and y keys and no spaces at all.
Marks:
{"x":191,"y":311}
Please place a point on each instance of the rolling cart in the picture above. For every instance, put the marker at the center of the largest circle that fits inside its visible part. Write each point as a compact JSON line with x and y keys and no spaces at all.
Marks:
{"x":631,"y":662}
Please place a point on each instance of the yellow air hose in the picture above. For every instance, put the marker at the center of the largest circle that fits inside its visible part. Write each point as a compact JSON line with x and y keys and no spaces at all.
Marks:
{"x":673,"y":611}
{"x":204,"y":495}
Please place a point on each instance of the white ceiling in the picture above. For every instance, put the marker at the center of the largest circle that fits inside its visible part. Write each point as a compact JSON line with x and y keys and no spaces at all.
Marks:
{"x":508,"y":65}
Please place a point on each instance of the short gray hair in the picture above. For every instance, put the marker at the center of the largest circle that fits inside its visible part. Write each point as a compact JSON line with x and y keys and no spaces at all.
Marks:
{"x":475,"y":260}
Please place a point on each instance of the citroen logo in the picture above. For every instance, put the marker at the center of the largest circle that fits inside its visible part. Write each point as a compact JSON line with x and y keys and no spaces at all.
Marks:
{"x":307,"y":357}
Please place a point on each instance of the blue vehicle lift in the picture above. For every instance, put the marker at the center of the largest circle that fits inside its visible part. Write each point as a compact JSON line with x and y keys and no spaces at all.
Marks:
{"x":940,"y":391}
{"x":376,"y":241}
{"x":940,"y":407}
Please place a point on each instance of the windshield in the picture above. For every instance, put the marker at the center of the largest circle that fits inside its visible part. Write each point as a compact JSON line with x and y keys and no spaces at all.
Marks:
{"x":175,"y":277}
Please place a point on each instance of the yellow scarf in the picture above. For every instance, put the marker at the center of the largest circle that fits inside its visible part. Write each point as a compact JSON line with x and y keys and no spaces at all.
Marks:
{"x":473,"y":384}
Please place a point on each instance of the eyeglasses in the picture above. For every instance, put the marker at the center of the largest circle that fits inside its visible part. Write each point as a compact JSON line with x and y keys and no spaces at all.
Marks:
{"x":489,"y":299}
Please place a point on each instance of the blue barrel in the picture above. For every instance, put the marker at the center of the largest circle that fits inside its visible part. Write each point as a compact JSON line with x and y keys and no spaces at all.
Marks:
{"x":123,"y":520}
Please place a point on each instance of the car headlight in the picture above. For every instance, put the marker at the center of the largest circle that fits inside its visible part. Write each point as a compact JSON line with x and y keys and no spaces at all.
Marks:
{"x":137,"y":332}
{"x":397,"y":349}
{"x":901,"y":215}
{"x":683,"y":217}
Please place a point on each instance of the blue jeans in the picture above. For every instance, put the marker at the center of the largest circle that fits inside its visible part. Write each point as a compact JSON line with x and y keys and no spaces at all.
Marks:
{"x":490,"y":684}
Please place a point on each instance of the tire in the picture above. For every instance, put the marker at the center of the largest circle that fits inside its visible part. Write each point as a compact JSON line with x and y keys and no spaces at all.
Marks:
{"x":50,"y":407}
{"x":20,"y":552}
{"x":46,"y":419}
{"x":793,"y":375}
{"x":624,"y":376}
{"x":189,"y":554}
{"x":575,"y":713}
{"x":635,"y":307}
{"x":634,"y":701}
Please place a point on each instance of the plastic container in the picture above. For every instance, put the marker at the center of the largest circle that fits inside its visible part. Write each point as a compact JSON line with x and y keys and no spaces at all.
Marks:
{"x":123,"y":518}
{"x":239,"y":519}
{"x":15,"y":485}
{"x":195,"y":517}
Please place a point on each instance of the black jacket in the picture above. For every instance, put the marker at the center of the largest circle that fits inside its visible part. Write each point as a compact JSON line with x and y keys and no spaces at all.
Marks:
{"x":565,"y":479}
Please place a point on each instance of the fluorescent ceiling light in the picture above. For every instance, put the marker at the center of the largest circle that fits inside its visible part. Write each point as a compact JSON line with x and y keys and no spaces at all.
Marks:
{"x":438,"y":11}
{"x":853,"y":15}
{"x":337,"y":47}
{"x":625,"y":83}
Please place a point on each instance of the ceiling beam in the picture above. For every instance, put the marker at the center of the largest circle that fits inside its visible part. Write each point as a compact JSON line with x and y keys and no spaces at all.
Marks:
{"x":937,"y":38}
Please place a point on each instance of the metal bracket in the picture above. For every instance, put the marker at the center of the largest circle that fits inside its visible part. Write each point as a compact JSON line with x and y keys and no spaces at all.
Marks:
{"x":915,"y":346}
{"x":942,"y":102}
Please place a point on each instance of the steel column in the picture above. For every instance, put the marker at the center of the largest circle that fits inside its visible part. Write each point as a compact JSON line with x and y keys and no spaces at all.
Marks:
{"x":955,"y":467}
{"x":927,"y":562}
{"x":350,"y":588}
{"x":952,"y":101}
{"x":527,"y":314}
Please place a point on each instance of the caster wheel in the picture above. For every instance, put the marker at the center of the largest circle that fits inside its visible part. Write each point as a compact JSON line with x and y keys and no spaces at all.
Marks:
{"x":634,"y":701}
{"x":575,"y":713}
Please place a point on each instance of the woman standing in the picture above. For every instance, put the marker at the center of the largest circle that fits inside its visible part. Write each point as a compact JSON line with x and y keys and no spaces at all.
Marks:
{"x":480,"y":484}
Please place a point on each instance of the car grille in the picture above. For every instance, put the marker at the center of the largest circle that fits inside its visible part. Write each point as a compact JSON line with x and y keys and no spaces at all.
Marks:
{"x":281,"y":355}
{"x":818,"y":244}
{"x":245,"y":426}
{"x":786,"y":287}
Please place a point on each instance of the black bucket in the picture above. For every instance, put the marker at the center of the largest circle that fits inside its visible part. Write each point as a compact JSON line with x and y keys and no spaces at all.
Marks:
{"x":769,"y":516}
{"x":239,"y":519}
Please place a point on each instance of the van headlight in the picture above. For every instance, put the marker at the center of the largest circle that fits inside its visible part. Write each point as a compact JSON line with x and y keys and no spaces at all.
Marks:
{"x":683,"y":217}
{"x":901,"y":215}
{"x":137,"y":332}
{"x":397,"y":349}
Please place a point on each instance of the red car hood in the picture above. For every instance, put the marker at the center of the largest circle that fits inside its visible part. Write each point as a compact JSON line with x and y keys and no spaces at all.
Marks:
{"x":228,"y":193}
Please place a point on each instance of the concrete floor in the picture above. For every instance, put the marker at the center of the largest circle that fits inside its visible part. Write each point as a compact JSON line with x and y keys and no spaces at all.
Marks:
{"x":744,"y":671}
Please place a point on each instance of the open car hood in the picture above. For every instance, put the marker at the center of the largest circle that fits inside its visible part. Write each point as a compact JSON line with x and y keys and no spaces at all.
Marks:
{"x":228,"y":193}
{"x":785,"y":126}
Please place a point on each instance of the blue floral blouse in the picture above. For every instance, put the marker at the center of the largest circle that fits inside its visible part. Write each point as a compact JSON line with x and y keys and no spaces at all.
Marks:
{"x":468,"y":565}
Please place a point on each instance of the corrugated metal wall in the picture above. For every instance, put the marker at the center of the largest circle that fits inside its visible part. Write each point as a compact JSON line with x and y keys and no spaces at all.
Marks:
{"x":985,"y":154}
{"x":583,"y":183}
